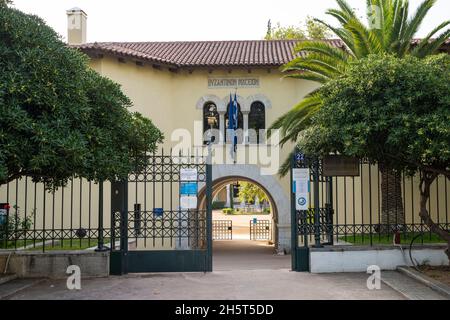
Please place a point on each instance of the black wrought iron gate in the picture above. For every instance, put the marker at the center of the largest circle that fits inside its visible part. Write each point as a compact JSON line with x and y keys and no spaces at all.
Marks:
{"x":315,"y":224}
{"x":166,"y":230}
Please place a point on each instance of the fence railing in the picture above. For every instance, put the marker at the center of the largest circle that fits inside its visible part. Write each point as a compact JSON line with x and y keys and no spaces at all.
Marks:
{"x":260,"y":230}
{"x":73,"y":217}
{"x":162,"y":230}
{"x":370,"y":209}
{"x":222,"y":230}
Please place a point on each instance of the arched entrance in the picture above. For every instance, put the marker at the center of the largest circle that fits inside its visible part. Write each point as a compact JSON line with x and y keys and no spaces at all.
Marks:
{"x":220,"y":184}
{"x":280,"y":203}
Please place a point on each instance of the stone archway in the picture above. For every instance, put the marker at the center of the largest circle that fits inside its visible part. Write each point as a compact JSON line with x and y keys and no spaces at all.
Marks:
{"x":223,"y":174}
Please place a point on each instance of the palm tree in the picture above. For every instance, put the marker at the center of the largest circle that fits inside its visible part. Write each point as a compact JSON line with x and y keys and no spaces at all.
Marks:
{"x":391,"y":30}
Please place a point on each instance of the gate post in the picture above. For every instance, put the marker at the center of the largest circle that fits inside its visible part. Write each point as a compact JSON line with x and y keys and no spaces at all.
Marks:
{"x":299,"y":254}
{"x":101,"y":245}
{"x":209,"y":226}
{"x":294,"y":227}
{"x":330,"y":211}
{"x":317,"y":225}
{"x":119,"y":204}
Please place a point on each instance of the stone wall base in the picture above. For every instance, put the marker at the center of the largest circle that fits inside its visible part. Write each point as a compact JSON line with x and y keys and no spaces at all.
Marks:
{"x":358,"y":259}
{"x":54,"y":264}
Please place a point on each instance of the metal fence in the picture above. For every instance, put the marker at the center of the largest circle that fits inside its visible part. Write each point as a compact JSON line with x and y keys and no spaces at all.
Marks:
{"x":157,"y":221}
{"x":71,"y":218}
{"x":260,"y":230}
{"x":356,"y":211}
{"x":222,"y":230}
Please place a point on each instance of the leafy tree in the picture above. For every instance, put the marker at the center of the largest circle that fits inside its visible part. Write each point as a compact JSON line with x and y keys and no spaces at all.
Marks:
{"x":59,"y":118}
{"x":248,"y":192}
{"x":390,"y":29}
{"x":393,"y":111}
{"x":311,"y":30}
{"x":5,"y":2}
{"x":316,"y":30}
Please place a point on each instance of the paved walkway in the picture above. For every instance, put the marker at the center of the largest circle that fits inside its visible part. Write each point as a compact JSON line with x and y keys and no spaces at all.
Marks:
{"x":247,"y":255}
{"x":244,"y":270}
{"x":235,"y":285}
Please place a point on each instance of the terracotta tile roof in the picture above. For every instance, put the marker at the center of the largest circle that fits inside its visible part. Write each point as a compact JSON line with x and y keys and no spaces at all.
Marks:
{"x":252,"y":53}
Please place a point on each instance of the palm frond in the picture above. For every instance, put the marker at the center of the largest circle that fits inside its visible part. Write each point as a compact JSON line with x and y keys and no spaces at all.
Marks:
{"x":340,"y":16}
{"x":345,"y":7}
{"x":413,"y":25}
{"x":322,"y":48}
{"x":343,"y":34}
{"x":425,"y":42}
{"x":433,"y":46}
{"x":392,"y":25}
{"x":310,"y":76}
{"x":316,"y":63}
{"x":297,"y":119}
{"x":360,"y":37}
{"x":285,"y":167}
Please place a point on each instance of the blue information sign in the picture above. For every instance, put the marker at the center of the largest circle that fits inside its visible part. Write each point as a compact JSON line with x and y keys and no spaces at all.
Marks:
{"x":158,"y":212}
{"x":189,"y":188}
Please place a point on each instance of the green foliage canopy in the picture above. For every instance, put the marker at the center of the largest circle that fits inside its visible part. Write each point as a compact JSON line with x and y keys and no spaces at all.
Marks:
{"x":394,"y":33}
{"x":387,"y":109}
{"x":311,"y":30}
{"x":248,"y":192}
{"x":59,"y":118}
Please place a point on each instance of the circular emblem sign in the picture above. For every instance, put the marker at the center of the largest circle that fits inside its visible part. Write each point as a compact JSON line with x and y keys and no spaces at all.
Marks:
{"x":302,"y":201}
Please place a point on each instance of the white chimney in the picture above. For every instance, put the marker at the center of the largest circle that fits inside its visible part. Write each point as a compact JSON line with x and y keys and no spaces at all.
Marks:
{"x":76,"y":26}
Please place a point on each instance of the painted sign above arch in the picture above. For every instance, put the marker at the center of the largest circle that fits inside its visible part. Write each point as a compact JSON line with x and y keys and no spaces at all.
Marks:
{"x":238,"y":82}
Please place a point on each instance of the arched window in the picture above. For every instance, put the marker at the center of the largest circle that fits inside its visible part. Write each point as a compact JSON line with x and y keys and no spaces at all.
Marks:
{"x":210,"y":121}
{"x":240,"y":122}
{"x":257,"y":122}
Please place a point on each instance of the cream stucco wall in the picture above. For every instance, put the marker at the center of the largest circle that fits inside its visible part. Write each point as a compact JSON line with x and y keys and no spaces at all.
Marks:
{"x":170,"y":98}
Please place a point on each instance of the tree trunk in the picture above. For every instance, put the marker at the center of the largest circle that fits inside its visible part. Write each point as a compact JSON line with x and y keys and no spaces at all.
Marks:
{"x":425,"y":184}
{"x":392,"y":211}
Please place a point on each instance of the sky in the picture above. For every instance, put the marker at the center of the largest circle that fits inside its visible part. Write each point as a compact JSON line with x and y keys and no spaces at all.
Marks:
{"x":194,"y":20}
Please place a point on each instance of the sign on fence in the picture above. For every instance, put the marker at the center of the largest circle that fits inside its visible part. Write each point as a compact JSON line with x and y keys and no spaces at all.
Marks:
{"x":301,"y":188}
{"x":188,"y":202}
{"x":340,"y":166}
{"x":188,"y":174}
{"x":189,"y":188}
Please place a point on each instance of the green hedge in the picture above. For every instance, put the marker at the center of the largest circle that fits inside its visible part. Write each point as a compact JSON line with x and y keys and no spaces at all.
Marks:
{"x":228,"y":211}
{"x":218,"y":205}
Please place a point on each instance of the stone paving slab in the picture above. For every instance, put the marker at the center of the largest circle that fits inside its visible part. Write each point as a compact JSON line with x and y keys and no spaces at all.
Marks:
{"x":410,"y":288}
{"x":437,"y":286}
{"x":11,"y":288}
{"x":4,"y":278}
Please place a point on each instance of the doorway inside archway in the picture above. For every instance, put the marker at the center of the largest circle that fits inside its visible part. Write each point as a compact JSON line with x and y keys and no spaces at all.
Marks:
{"x":243,"y":211}
{"x":245,"y":231}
